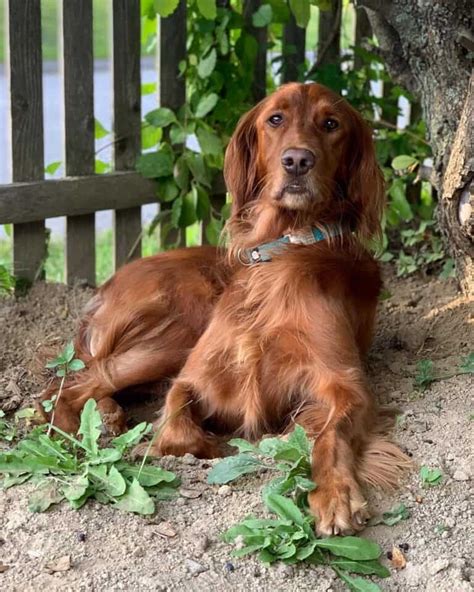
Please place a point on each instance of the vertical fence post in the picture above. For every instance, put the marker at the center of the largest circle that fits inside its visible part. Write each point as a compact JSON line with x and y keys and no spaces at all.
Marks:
{"x":78,"y":71}
{"x":294,"y":38}
{"x":172,"y":85}
{"x":127,"y":120}
{"x":26,"y":97}
{"x":329,"y":34}
{"x":259,"y":86}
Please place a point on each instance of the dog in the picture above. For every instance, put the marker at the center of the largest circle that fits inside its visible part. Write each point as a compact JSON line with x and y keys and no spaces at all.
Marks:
{"x":273,"y":331}
{"x":286,"y":339}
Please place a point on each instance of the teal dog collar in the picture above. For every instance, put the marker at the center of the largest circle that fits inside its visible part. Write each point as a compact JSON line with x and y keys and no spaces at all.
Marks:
{"x":265,"y":252}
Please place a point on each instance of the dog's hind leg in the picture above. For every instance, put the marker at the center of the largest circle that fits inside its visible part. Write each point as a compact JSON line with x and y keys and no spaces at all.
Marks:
{"x":101,"y":379}
{"x":179,"y":429}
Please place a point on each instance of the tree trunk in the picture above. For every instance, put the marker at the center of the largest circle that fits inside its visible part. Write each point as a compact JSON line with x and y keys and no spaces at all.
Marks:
{"x":425,"y":45}
{"x":329,"y":34}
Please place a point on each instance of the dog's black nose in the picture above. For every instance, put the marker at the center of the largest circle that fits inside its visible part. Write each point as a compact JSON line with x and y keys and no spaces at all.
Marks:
{"x":297,"y":161}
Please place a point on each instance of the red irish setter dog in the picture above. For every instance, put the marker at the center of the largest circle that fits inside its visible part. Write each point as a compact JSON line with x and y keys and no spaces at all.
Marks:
{"x":278,"y":329}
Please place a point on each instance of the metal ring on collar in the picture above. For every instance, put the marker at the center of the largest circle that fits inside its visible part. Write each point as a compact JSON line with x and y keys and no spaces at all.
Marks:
{"x":241,"y":260}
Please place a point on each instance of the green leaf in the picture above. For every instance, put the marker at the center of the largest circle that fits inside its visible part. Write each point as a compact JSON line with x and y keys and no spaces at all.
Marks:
{"x":232,"y":468}
{"x":188,"y":209}
{"x":203,"y":206}
{"x":156,"y":164}
{"x":75,"y":488}
{"x":90,"y":427}
{"x":367,"y":568}
{"x":167,"y":190}
{"x":106,"y":455}
{"x":136,"y":500}
{"x":148,"y":88}
{"x":300,"y":441}
{"x":176,"y":211}
{"x":425,"y":374}
{"x":181,"y":172}
{"x":395,"y":515}
{"x":206,"y":65}
{"x":243,"y":445}
{"x":99,"y":130}
{"x":148,"y":475}
{"x":399,"y":202}
{"x":161,"y":117}
{"x":151,"y":136}
{"x":467,"y":365}
{"x":132,"y":437}
{"x":206,"y":104}
{"x":166,"y":7}
{"x":263,"y":16}
{"x":430,"y":477}
{"x":198,"y":168}
{"x":209,"y":141}
{"x":177,"y":134}
{"x":355,"y":548}
{"x":301,"y":12}
{"x":76,"y":365}
{"x":213,"y":231}
{"x":207,"y":8}
{"x":52,"y":167}
{"x":45,"y":496}
{"x":115,"y":485}
{"x":358,"y":584}
{"x":403,"y":161}
{"x":284,"y":508}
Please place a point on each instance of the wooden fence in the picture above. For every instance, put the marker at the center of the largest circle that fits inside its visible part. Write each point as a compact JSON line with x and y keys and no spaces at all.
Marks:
{"x":29,"y":199}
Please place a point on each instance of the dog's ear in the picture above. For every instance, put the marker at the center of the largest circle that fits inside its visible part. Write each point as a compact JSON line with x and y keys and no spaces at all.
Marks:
{"x":365,"y":186}
{"x":241,"y":161}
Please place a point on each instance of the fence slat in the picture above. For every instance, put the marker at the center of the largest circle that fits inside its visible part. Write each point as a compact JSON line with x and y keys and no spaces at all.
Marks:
{"x":127,"y":119}
{"x":259,"y":86}
{"x":26,"y":96}
{"x":78,"y":69}
{"x":73,"y":196}
{"x":294,"y":38}
{"x":172,"y":86}
{"x":329,"y":34}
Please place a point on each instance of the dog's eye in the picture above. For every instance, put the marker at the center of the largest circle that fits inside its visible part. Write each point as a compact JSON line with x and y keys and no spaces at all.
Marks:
{"x":330,"y":124}
{"x":275,"y":120}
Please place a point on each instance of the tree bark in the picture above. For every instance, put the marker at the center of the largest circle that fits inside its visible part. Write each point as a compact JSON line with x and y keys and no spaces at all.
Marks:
{"x":425,"y":45}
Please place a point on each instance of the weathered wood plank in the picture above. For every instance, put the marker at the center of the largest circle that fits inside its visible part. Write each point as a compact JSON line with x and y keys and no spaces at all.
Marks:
{"x":78,"y":69}
{"x":26,"y":100}
{"x":294,"y":39}
{"x":127,"y":120}
{"x":329,"y":35}
{"x":26,"y":202}
{"x":259,"y":86}
{"x":172,"y":87}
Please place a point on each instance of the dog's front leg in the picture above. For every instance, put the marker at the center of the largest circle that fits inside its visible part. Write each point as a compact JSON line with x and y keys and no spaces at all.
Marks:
{"x":337,"y":502}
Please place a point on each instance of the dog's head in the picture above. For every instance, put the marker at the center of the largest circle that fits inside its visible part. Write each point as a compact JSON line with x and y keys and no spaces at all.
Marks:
{"x":305,"y":153}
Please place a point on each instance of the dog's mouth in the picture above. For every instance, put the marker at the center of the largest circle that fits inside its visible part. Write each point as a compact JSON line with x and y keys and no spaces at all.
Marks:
{"x":296,"y":189}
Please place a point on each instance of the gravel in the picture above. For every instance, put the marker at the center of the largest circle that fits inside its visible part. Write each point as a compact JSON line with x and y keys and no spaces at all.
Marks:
{"x":180,"y":548}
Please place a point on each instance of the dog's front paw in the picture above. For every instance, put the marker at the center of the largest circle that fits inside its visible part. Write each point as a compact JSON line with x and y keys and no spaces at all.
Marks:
{"x":339,"y":508}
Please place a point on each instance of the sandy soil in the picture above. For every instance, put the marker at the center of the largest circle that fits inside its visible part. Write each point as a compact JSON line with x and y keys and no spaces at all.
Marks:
{"x":109,"y":550}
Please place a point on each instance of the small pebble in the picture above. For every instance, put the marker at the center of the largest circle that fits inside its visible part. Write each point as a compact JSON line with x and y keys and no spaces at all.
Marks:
{"x":436,"y":566}
{"x":224,"y":490}
{"x":189,"y":459}
{"x":404,"y":546}
{"x":195,"y":568}
{"x":81,"y":536}
{"x":228,"y":566}
{"x":460,"y":475}
{"x":389,"y":555}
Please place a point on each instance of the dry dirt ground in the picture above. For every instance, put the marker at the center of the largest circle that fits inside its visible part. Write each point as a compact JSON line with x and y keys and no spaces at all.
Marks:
{"x":110,"y":550}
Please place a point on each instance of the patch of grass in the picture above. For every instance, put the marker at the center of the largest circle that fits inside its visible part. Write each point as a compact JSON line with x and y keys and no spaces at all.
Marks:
{"x":290,"y":537}
{"x":426,"y":372}
{"x":430,"y":477}
{"x":55,"y":261}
